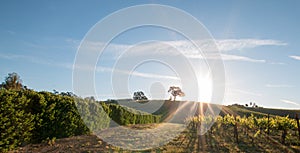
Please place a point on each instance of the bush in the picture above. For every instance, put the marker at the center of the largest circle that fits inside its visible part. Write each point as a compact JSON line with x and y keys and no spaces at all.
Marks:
{"x":92,"y":114}
{"x":125,"y":116}
{"x":16,"y":124}
{"x":28,"y":116}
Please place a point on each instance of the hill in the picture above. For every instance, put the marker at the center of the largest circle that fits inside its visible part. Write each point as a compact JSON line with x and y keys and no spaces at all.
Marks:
{"x":260,"y":111}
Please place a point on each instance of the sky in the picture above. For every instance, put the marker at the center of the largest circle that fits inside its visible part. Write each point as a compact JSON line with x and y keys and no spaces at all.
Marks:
{"x":258,"y":41}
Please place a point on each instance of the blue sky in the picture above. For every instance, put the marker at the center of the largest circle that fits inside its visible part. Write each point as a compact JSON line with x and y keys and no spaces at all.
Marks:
{"x":259,"y":42}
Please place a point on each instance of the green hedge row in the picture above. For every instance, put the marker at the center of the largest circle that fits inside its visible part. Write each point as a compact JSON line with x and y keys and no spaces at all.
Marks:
{"x":125,"y":116}
{"x":28,"y":116}
{"x":92,"y":114}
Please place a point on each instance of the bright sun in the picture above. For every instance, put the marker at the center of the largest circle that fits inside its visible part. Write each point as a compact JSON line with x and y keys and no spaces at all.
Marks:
{"x":205,"y":88}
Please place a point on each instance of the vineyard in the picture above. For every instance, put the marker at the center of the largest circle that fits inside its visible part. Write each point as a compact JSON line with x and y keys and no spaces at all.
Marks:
{"x":261,"y":133}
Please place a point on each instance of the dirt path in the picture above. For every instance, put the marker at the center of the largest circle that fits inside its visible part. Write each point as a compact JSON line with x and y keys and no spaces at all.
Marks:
{"x":77,"y":144}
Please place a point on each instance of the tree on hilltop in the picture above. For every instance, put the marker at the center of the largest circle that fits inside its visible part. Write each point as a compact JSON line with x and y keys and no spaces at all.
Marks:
{"x":175,"y":91}
{"x":12,"y":81}
{"x":139,"y":95}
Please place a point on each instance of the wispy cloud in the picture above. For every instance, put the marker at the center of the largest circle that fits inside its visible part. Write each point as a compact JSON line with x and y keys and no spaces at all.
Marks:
{"x":168,"y":48}
{"x":75,"y":42}
{"x":35,"y":60}
{"x":98,"y":68}
{"x":182,"y":47}
{"x":246,"y":92}
{"x":278,"y":86}
{"x":227,"y":57}
{"x":151,"y":75}
{"x":277,"y":63}
{"x":222,"y":44}
{"x":295,"y":57}
{"x":136,"y":73}
{"x":290,"y":102}
{"x":240,"y":44}
{"x":11,"y":32}
{"x":131,"y":73}
{"x":35,"y":45}
{"x":12,"y":56}
{"x":22,"y":57}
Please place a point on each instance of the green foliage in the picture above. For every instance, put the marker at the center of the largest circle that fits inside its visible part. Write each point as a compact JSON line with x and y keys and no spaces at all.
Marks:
{"x":257,"y":125}
{"x":16,"y":124}
{"x":125,"y":116}
{"x":139,"y":95}
{"x":12,"y":81}
{"x":29,"y":116}
{"x":92,"y":114}
{"x":283,"y":123}
{"x":60,"y":117}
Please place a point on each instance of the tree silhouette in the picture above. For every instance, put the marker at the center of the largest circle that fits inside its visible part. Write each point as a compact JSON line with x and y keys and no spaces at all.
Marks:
{"x":252,"y":104}
{"x":175,"y":91}
{"x":12,"y":81}
{"x":139,"y":95}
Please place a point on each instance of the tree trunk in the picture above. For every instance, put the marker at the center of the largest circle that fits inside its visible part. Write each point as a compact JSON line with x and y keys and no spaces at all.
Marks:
{"x":268,"y":125}
{"x":236,"y":131}
{"x":200,"y":145}
{"x":283,"y":136}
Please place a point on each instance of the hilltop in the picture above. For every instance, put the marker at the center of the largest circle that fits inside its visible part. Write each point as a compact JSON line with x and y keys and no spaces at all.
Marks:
{"x":260,"y":111}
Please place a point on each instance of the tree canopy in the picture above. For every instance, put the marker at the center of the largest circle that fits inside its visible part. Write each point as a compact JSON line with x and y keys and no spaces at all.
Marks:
{"x":12,"y":81}
{"x":139,"y":95}
{"x":176,"y":91}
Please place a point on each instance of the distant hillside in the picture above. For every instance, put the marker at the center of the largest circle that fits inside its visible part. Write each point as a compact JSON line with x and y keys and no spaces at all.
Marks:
{"x":259,"y":111}
{"x":168,"y":108}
